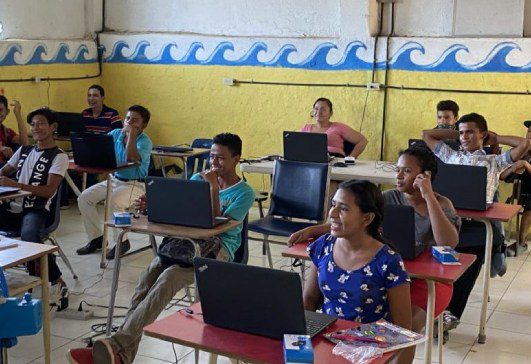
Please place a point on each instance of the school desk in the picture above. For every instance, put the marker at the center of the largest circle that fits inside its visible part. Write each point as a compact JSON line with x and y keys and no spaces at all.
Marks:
{"x":181,"y":155}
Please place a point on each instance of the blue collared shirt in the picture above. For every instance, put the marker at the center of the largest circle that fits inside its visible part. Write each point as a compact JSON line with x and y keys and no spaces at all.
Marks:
{"x":144,"y":146}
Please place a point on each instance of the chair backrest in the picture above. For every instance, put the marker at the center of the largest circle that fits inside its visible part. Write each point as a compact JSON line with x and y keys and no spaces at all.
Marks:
{"x":300,"y":190}
{"x":348,"y":147}
{"x":241,"y":255}
{"x":52,"y":222}
{"x":200,"y":162}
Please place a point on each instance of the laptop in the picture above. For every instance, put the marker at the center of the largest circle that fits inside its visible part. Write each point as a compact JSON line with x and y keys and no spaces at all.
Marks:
{"x":305,"y":147}
{"x":255,"y":300}
{"x":465,"y":186}
{"x":180,"y":202}
{"x":173,"y":149}
{"x":8,"y":190}
{"x":399,"y":228}
{"x":94,"y":150}
{"x":69,"y":122}
{"x":452,"y":143}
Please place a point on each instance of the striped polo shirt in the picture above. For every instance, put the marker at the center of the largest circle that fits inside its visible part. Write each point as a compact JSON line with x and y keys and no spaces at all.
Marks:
{"x":108,"y":120}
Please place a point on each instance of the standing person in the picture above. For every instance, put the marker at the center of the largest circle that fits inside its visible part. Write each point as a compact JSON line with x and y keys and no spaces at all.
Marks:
{"x":9,"y":140}
{"x":447,"y":115}
{"x":99,"y":118}
{"x":231,"y":197}
{"x":131,"y":144}
{"x":39,"y":168}
{"x":337,"y":132}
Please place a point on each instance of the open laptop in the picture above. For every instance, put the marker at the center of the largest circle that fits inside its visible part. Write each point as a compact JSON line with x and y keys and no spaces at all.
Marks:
{"x":255,"y":300}
{"x":180,"y":202}
{"x":305,"y":147}
{"x":399,"y":228}
{"x":69,"y":122}
{"x":465,"y":186}
{"x":452,"y":143}
{"x":94,"y":150}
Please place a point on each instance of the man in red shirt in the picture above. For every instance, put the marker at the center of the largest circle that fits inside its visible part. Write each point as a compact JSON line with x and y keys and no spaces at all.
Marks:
{"x":9,"y":140}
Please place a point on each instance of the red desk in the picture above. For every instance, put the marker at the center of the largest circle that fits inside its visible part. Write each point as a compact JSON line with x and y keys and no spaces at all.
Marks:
{"x":497,"y":212}
{"x":423,"y":267}
{"x":74,"y":167}
{"x":191,"y":331}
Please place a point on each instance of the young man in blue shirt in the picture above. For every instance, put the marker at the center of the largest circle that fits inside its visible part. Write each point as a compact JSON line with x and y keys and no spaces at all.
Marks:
{"x":131,"y":144}
{"x":231,"y":197}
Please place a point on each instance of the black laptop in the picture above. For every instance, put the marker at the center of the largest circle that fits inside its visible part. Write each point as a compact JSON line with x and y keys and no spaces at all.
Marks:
{"x":180,"y":202}
{"x":305,"y":147}
{"x":255,"y":300}
{"x":452,"y":143}
{"x":465,"y":186}
{"x":69,"y":122}
{"x":94,"y":150}
{"x":399,"y":228}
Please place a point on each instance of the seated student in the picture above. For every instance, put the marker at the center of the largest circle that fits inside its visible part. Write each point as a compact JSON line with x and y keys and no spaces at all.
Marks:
{"x":522,"y":170}
{"x":473,"y":134}
{"x":354,"y":275}
{"x":39,"y":169}
{"x":231,"y":197}
{"x":99,"y":118}
{"x":131,"y":144}
{"x":337,"y":132}
{"x":9,"y":140}
{"x":447,"y":114}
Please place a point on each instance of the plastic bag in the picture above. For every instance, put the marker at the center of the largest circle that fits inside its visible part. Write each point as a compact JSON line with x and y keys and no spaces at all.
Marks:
{"x":359,"y":354}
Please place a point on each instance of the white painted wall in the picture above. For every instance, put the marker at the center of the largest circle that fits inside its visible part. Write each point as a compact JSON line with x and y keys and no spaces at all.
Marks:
{"x":491,"y":18}
{"x":427,"y":18}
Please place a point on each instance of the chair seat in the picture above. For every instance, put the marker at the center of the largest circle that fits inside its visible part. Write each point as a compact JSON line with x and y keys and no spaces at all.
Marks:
{"x":270,"y":225}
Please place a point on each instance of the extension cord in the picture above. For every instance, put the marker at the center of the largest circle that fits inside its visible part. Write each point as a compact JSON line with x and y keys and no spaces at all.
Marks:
{"x":73,"y":314}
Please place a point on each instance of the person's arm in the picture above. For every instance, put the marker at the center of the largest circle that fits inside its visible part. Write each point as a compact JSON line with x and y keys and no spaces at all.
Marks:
{"x":518,"y":167}
{"x":356,"y":138}
{"x":520,"y":145}
{"x":22,"y":137}
{"x":46,"y":191}
{"x":212,"y":178}
{"x":131,"y":150}
{"x":444,"y":232}
{"x":7,"y":170}
{"x":433,"y":136}
{"x":312,"y":296}
{"x":308,"y":233}
{"x":399,"y":299}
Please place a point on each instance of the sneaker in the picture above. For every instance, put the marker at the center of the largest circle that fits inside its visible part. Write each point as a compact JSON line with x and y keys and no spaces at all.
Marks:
{"x":102,"y":353}
{"x":59,"y":296}
{"x":91,"y":247}
{"x":516,"y":248}
{"x":498,"y":266}
{"x":80,"y":356}
{"x":450,"y":322}
{"x":124,"y":248}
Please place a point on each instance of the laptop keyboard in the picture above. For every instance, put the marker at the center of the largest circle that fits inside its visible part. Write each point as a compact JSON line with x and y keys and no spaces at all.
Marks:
{"x":313,"y":327}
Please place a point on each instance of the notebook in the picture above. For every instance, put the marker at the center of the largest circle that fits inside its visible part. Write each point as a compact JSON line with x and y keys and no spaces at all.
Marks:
{"x":255,"y":300}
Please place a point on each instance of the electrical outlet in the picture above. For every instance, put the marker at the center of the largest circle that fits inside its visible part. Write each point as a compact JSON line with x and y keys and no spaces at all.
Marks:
{"x":228,"y":81}
{"x":73,"y":314}
{"x":37,"y":79}
{"x":373,"y":86}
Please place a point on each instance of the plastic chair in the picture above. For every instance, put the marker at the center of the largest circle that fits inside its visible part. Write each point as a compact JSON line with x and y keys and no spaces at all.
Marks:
{"x":200,"y":162}
{"x":52,"y":223}
{"x":299,"y":191}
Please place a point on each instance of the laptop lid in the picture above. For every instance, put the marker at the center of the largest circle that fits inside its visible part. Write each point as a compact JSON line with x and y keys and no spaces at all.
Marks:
{"x":250,"y":299}
{"x":93,"y":150}
{"x":452,"y":143}
{"x":179,"y":202}
{"x":69,"y":122}
{"x":5,"y":190}
{"x":305,"y":147}
{"x":399,"y":229}
{"x":465,"y":186}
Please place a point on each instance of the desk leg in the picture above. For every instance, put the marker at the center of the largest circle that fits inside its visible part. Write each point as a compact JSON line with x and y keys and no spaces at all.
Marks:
{"x":429,"y":321}
{"x":84,"y":183}
{"x":153,"y":243}
{"x":185,"y":168}
{"x":72,"y":184}
{"x":3,"y":356}
{"x":440,"y":338}
{"x":197,"y":254}
{"x":114,"y":288}
{"x":303,"y":273}
{"x":482,"y":337}
{"x":45,"y":309}
{"x":106,"y":217}
{"x":163,"y":170}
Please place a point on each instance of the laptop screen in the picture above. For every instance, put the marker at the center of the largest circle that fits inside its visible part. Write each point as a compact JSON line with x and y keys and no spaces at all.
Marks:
{"x":305,"y":147}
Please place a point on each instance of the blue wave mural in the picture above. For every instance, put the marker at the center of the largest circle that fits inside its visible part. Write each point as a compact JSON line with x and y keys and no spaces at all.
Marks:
{"x":408,"y":57}
{"x":41,"y":54}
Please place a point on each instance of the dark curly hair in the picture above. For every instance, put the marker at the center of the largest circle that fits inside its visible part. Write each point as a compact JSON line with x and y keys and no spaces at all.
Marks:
{"x":425,"y":157}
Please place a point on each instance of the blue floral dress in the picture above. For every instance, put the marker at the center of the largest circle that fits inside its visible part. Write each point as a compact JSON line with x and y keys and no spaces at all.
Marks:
{"x":359,"y":295}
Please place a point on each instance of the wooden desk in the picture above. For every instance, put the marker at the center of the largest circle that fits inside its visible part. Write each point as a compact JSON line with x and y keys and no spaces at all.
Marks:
{"x":423,"y":267}
{"x":181,"y":155}
{"x":108,"y":172}
{"x":191,"y":331}
{"x":374,"y":171}
{"x":20,"y":283}
{"x":18,"y":194}
{"x":143,"y":226}
{"x":497,"y":212}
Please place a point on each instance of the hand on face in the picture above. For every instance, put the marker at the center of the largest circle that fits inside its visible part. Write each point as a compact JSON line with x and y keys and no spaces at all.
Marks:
{"x":423,"y":183}
{"x":210,"y":176}
{"x":16,"y":107}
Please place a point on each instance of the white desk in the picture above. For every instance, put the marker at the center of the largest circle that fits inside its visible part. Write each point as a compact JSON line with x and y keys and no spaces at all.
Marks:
{"x":374,"y":171}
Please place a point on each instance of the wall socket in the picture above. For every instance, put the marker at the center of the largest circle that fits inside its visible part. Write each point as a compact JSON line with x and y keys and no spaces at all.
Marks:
{"x":373,"y":86}
{"x":228,"y":81}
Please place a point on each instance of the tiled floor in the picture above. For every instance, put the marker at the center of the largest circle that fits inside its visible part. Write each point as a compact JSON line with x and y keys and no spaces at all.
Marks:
{"x":509,"y":315}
